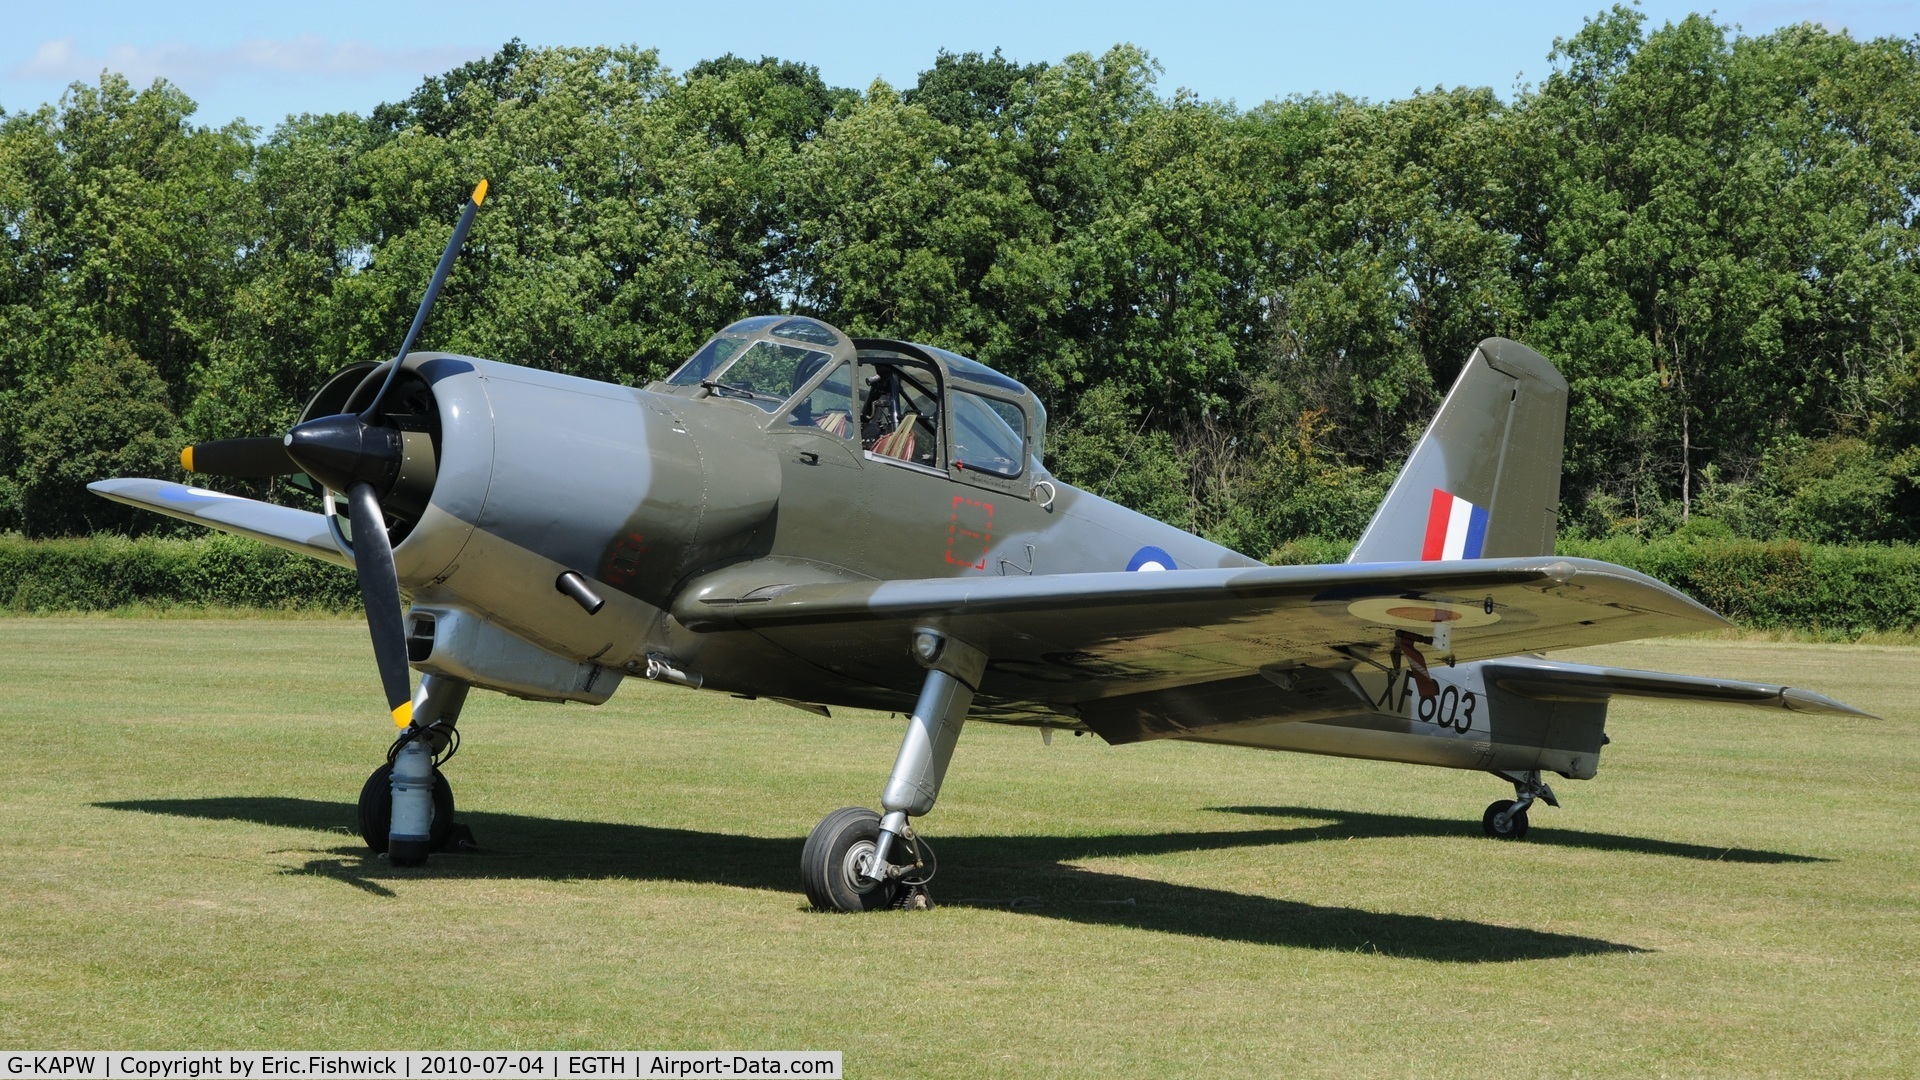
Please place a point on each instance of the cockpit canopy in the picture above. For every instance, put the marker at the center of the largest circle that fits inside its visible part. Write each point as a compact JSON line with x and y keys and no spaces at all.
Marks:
{"x":906,"y":404}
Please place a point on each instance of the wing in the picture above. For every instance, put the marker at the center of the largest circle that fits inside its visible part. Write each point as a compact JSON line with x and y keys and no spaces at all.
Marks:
{"x":1546,"y":680}
{"x":282,"y":526}
{"x":1067,"y":638}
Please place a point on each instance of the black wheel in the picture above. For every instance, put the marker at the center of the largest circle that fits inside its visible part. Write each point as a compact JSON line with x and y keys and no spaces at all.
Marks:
{"x":1516,"y":828}
{"x":829,"y":862}
{"x":376,"y":810}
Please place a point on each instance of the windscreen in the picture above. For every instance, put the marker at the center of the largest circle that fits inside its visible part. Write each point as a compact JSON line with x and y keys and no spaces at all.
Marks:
{"x":705,"y":362}
{"x":765,"y":373}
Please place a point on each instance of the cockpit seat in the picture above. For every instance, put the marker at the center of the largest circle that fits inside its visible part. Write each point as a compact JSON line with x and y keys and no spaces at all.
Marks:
{"x":898,"y":443}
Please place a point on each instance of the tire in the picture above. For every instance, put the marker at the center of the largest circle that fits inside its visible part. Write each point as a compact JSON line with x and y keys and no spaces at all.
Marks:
{"x":832,"y":850}
{"x":376,"y":810}
{"x":1516,"y":823}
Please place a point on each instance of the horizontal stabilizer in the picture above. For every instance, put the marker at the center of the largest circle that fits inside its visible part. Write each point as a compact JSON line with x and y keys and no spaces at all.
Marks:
{"x":1549,"y":681}
{"x":302,"y":531}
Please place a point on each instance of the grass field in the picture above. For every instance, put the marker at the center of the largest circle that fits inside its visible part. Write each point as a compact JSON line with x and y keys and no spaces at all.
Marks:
{"x":1738,"y":893}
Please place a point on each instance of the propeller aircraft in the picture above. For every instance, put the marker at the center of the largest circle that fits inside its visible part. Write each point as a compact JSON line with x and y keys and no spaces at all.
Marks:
{"x":823,"y":520}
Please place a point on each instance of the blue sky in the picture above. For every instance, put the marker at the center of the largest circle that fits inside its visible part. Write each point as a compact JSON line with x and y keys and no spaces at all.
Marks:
{"x":263,"y":61}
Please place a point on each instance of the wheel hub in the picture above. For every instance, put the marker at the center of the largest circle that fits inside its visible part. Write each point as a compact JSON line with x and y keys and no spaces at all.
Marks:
{"x":854,"y":863}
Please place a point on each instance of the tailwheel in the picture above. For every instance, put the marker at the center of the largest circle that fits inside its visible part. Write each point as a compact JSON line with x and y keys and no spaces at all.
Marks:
{"x":1503,"y":822}
{"x":837,"y":851}
{"x":376,"y":809}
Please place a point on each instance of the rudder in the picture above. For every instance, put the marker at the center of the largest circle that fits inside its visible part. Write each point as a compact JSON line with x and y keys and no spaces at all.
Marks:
{"x":1484,"y":480}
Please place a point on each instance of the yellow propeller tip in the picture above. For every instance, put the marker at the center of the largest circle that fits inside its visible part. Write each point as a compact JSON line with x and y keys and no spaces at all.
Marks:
{"x":480,"y":193}
{"x":186,"y":458}
{"x":403,"y":714}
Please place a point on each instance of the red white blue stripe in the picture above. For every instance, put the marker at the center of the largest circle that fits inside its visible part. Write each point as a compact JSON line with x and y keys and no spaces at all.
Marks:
{"x":1456,"y":529}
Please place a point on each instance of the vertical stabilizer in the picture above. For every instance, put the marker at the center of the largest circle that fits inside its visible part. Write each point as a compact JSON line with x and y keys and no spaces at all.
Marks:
{"x":1484,"y":481}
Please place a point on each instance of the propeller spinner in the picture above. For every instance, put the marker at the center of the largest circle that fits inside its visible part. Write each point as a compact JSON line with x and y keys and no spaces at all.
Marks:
{"x":369,"y":460}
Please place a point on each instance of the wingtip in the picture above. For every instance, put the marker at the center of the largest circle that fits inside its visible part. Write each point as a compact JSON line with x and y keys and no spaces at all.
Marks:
{"x":114,"y":485}
{"x":1799,"y":700}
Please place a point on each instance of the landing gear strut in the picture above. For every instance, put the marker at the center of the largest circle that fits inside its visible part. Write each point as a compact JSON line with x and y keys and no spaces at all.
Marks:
{"x":406,"y":806}
{"x":857,"y":860}
{"x":376,"y":810}
{"x":1506,"y":819}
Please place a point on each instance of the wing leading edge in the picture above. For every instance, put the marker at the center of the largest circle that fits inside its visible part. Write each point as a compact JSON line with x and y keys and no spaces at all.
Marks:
{"x":1077,"y":637}
{"x":282,"y":526}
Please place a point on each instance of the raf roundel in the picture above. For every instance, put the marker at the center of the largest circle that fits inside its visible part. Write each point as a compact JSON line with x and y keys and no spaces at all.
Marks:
{"x":1151,"y":558}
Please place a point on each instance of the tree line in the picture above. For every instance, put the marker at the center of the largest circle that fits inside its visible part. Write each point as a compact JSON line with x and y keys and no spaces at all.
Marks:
{"x":1239,"y":319}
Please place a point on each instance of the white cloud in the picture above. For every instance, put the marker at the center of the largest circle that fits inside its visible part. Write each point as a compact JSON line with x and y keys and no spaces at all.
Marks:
{"x":308,"y":56}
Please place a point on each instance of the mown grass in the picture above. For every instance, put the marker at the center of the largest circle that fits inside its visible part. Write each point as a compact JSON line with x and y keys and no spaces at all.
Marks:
{"x":1736,"y":894}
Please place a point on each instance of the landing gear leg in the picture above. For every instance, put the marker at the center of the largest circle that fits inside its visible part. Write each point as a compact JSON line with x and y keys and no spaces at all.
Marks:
{"x":406,"y":806}
{"x":856,"y":860}
{"x":1506,"y":819}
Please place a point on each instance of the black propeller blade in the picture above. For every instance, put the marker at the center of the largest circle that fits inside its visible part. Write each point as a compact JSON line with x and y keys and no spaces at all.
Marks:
{"x":433,"y":293}
{"x":380,"y":593}
{"x":363,"y":457}
{"x":239,"y":458}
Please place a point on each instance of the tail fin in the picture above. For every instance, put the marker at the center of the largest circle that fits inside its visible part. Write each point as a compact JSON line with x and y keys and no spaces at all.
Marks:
{"x":1484,"y":481}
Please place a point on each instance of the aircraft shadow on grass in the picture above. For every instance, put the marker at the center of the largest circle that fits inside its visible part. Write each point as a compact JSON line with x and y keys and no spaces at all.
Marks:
{"x":1343,"y":824}
{"x":1030,"y":871}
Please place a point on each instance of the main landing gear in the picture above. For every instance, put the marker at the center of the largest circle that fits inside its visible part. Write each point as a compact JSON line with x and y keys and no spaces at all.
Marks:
{"x":406,"y":806}
{"x":857,"y":860}
{"x":837,"y":865}
{"x":1506,"y":819}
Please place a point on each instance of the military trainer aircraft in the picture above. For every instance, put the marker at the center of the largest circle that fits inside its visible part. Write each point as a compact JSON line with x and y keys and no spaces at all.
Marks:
{"x":816,"y":519}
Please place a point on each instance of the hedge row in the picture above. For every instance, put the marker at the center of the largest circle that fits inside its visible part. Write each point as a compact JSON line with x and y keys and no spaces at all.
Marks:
{"x":104,"y":572}
{"x":1777,"y":585}
{"x":1781,"y":584}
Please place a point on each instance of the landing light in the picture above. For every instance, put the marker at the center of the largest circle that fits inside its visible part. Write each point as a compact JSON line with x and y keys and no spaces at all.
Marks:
{"x":928,"y":646}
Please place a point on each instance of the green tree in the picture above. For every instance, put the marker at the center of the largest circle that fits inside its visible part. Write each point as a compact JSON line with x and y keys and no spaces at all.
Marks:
{"x":1106,"y":448}
{"x":1722,"y":239}
{"x":1384,"y":256}
{"x":122,"y":220}
{"x":1241,"y":318}
{"x":963,"y":89}
{"x":108,"y":417}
